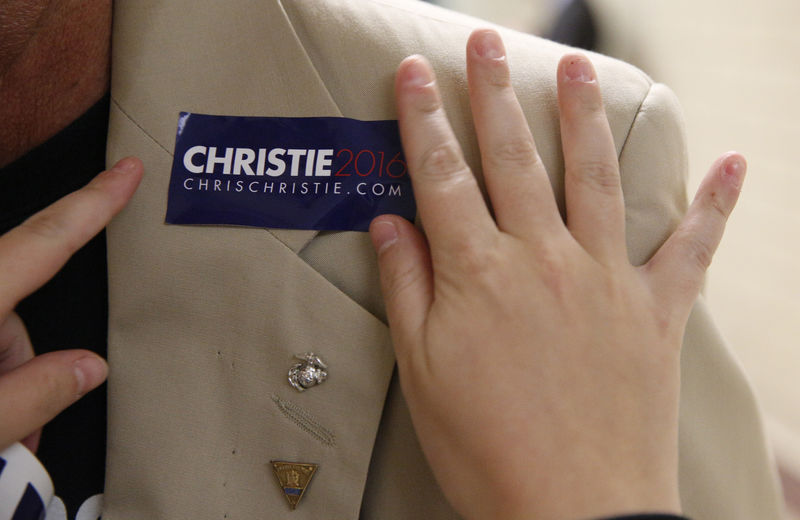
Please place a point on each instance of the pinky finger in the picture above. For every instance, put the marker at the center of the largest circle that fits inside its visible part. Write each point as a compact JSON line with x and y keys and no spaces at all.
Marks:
{"x":678,"y":268}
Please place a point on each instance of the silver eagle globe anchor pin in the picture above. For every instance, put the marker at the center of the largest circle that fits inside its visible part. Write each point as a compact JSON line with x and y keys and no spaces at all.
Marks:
{"x":311,"y":371}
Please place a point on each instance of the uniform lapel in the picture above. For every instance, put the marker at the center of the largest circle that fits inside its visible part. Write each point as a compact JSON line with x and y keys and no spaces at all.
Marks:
{"x":212,"y":57}
{"x":205,"y":321}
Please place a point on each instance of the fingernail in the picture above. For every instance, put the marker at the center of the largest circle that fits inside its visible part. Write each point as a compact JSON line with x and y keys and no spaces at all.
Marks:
{"x":734,"y":169}
{"x":126,"y":165}
{"x":579,"y":69}
{"x":90,"y":372}
{"x":384,"y":234}
{"x":417,"y":72}
{"x":489,"y":45}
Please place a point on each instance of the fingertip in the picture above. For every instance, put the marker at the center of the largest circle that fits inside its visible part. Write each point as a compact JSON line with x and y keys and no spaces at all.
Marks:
{"x":383,"y":232}
{"x":90,"y":372}
{"x":576,"y":68}
{"x":733,"y":169}
{"x":487,"y":44}
{"x":415,"y":71}
{"x":123,"y":177}
{"x":487,"y":66}
{"x":578,"y":90}
{"x":128,"y":165}
{"x":122,"y":180}
{"x":415,"y":89}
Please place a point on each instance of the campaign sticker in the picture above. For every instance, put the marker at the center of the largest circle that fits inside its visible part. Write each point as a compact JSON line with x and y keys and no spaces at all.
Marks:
{"x":322,"y":173}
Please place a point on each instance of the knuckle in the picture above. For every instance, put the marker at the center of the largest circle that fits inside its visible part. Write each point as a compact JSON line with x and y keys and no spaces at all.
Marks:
{"x":497,"y":74}
{"x":15,"y":346}
{"x":474,"y":263}
{"x":44,"y":225}
{"x":443,"y":161}
{"x":49,"y":227}
{"x":699,"y":254}
{"x":583,"y":100}
{"x":98,"y":189}
{"x":591,"y":102}
{"x":55,"y":390}
{"x":429,"y":103}
{"x":550,"y":263}
{"x":598,"y":175}
{"x":718,"y":206}
{"x":519,"y":152}
{"x":477,"y":259}
{"x":403,"y":277}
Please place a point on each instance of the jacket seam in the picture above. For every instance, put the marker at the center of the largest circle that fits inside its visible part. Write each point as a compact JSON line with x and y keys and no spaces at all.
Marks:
{"x":639,"y":112}
{"x":140,"y":127}
{"x":308,"y":56}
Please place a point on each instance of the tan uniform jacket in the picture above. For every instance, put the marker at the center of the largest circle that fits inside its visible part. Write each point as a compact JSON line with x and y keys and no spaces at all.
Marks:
{"x":205,"y":320}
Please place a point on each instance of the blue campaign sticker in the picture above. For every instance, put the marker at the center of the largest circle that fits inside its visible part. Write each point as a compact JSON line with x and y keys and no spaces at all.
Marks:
{"x":323,"y":173}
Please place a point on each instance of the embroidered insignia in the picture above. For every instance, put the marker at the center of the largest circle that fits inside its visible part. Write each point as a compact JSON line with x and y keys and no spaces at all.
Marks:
{"x":293,"y":479}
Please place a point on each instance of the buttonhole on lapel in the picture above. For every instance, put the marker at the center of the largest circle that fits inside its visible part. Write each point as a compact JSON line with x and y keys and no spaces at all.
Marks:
{"x":305,"y":420}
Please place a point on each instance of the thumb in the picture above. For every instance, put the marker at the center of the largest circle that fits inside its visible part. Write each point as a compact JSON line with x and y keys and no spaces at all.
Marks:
{"x":35,"y":392}
{"x":406,"y":275}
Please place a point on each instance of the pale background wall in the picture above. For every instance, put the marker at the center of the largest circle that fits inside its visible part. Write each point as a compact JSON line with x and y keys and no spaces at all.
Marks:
{"x":735,"y":66}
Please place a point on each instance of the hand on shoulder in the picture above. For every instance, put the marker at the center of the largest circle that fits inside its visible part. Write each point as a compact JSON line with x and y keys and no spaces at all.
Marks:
{"x":540,"y":367}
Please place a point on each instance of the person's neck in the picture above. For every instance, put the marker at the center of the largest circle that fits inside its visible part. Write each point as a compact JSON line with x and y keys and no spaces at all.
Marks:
{"x":54,"y":65}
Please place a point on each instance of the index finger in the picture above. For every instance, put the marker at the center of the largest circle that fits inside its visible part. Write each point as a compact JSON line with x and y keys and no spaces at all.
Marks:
{"x":450,"y":204}
{"x":34,"y":251}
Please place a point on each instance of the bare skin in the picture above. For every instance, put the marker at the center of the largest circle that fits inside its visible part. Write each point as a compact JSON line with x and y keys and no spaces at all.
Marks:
{"x":540,"y":367}
{"x":33,"y":390}
{"x":54,"y":65}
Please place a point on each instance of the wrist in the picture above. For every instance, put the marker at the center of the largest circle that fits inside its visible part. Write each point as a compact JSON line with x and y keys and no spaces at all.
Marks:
{"x":648,"y":516}
{"x":602,"y":497}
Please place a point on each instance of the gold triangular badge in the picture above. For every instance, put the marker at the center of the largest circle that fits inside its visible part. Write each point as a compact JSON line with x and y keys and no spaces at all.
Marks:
{"x":293,"y":479}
